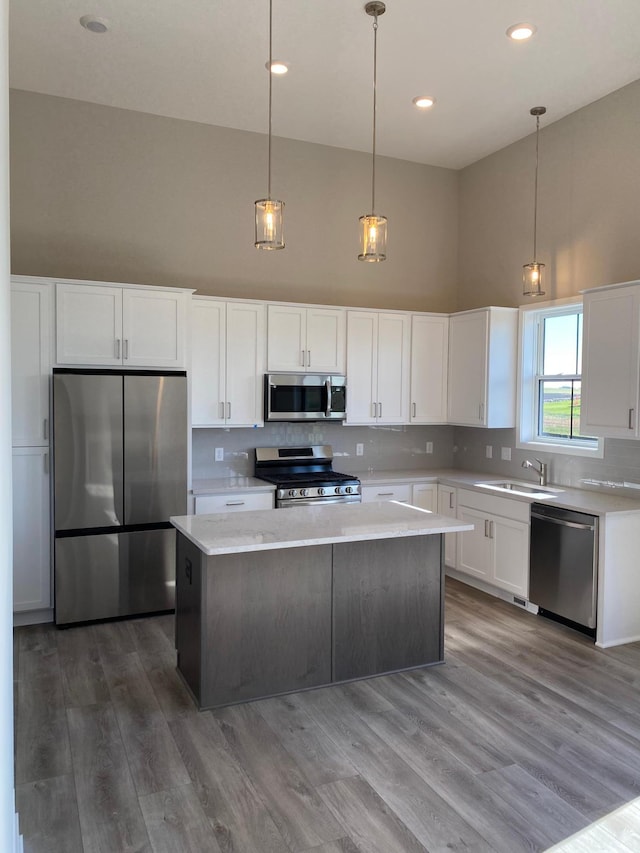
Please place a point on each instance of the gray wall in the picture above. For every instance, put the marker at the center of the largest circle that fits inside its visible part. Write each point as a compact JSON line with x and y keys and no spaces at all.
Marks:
{"x":588,"y":206}
{"x":115,"y":195}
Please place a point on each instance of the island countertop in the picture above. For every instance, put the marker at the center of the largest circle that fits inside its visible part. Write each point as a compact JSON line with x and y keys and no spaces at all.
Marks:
{"x":265,"y":530}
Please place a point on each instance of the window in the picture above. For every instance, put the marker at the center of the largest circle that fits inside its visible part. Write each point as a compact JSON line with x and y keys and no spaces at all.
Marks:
{"x":551,"y":381}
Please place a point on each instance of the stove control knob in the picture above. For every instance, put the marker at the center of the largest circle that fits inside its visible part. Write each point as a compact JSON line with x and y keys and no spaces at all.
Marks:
{"x":321,"y":491}
{"x":292,"y":493}
{"x":304,"y":492}
{"x":337,"y":490}
{"x":349,"y":490}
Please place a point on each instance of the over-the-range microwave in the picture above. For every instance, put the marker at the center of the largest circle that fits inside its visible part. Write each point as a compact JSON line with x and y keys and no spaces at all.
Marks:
{"x":304,"y":397}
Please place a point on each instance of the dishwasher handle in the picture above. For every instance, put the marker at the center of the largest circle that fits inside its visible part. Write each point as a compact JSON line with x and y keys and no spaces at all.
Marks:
{"x":563,"y":523}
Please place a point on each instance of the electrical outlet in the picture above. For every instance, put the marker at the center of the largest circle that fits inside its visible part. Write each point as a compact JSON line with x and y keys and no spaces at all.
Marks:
{"x":359,"y":449}
{"x":429,"y":447}
{"x":505,"y":454}
{"x":489,"y":451}
{"x":219,"y":454}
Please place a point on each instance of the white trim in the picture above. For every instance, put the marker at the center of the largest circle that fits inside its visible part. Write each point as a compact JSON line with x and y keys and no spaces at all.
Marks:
{"x":526,"y":387}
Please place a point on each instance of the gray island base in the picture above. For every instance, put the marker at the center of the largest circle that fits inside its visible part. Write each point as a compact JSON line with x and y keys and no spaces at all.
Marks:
{"x":273,"y":602}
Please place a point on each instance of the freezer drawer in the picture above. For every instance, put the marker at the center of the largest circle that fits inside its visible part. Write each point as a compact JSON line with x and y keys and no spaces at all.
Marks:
{"x":114,"y":574}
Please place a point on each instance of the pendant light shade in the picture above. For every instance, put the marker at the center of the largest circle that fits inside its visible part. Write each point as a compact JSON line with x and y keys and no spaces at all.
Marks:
{"x":269,"y":224}
{"x":532,"y":283}
{"x":373,"y":228}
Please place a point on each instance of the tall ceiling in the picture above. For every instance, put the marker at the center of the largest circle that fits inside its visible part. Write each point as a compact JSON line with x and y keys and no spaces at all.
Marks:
{"x":204,"y":61}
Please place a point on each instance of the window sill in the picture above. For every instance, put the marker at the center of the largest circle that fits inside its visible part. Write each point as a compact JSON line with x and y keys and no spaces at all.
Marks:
{"x":566,"y":449}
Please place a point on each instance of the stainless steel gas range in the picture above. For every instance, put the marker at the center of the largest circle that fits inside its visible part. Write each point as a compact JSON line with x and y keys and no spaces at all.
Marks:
{"x":304,"y":476}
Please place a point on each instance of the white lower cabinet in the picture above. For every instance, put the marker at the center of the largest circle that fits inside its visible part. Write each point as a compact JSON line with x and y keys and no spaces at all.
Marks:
{"x":425,"y":496}
{"x":395,"y":492}
{"x":497,"y":550}
{"x":447,"y":503}
{"x":31,"y":529}
{"x":233,"y":502}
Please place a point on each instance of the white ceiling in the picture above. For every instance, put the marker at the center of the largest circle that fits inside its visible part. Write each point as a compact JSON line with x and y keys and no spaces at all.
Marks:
{"x":203,"y":60}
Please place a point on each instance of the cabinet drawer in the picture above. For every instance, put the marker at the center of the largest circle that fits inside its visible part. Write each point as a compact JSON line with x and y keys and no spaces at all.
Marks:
{"x":487,"y":503}
{"x":237,"y":502}
{"x":398,"y":492}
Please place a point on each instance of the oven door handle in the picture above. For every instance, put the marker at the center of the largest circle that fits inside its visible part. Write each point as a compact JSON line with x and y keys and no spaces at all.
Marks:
{"x":350,"y":499}
{"x":327,"y":388}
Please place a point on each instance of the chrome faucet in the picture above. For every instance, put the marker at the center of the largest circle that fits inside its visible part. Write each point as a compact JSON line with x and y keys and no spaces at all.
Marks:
{"x":541,"y":468}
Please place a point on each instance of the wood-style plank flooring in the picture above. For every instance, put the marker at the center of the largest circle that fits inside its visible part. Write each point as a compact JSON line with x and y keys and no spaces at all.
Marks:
{"x":526,"y":736}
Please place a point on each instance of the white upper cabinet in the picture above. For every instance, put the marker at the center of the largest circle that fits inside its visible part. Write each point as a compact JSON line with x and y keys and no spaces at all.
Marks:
{"x":610,"y":362}
{"x":30,"y":363}
{"x":377,"y":367}
{"x":429,"y":356}
{"x":227,"y":363}
{"x":110,"y":325}
{"x":306,"y":339}
{"x":482,"y":367}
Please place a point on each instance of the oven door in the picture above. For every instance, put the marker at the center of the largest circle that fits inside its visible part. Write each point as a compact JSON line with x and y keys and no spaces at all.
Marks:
{"x":287,"y":503}
{"x":304,"y":396}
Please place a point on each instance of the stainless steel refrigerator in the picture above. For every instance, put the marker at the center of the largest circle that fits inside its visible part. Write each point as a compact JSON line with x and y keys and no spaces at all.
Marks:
{"x":120,"y":471}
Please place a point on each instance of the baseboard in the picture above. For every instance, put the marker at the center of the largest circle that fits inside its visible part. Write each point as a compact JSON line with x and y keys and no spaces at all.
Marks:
{"x":622,"y":641}
{"x":32,"y":617}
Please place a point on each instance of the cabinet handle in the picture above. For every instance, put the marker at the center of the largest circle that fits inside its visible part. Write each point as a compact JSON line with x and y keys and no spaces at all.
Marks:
{"x":491,"y":529}
{"x":45,"y":429}
{"x":481,"y":411}
{"x":118,"y":348}
{"x":221,"y":404}
{"x":45,"y":462}
{"x":375,"y":409}
{"x":486,"y":528}
{"x":414,"y":410}
{"x":450,"y":500}
{"x":228,"y":411}
{"x":234,"y":503}
{"x":379,"y":410}
{"x":308,"y":358}
{"x":302,"y":358}
{"x":125,"y":348}
{"x":631,"y":418}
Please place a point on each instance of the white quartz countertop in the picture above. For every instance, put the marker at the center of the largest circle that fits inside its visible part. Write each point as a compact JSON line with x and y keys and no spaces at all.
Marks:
{"x":263,"y":530}
{"x":229,"y":485}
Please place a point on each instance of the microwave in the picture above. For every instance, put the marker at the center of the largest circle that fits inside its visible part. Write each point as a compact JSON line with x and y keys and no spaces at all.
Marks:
{"x":304,"y":397}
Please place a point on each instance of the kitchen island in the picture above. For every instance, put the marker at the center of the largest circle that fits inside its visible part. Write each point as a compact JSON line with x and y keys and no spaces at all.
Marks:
{"x":272,"y":602}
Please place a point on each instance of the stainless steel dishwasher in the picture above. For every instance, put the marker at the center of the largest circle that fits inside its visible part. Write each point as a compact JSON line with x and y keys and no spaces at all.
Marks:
{"x":563,"y":565}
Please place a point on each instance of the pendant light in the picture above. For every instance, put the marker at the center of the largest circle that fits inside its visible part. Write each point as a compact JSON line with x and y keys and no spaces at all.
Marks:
{"x":532,"y":273}
{"x":373,"y":228}
{"x":269,"y":232}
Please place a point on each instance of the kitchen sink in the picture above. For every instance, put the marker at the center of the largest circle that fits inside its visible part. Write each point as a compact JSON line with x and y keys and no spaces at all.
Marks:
{"x":528,"y":489}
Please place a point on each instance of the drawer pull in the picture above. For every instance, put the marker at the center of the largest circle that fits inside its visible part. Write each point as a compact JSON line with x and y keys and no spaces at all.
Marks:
{"x":234,"y":503}
{"x":385,"y":494}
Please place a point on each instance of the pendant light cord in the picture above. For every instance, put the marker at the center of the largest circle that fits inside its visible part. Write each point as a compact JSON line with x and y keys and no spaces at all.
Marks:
{"x":270,"y":88}
{"x":535,"y":197}
{"x":375,"y":80}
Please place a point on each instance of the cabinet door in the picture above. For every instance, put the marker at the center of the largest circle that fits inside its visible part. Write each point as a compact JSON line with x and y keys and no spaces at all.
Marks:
{"x":325,"y":340}
{"x":245,"y":364}
{"x":510,"y":540}
{"x":31,"y":529}
{"x":610,"y":382}
{"x":30,"y":364}
{"x":287,"y":338}
{"x":429,"y":357}
{"x":88,"y":324}
{"x":425,"y":496}
{"x":468,"y":368}
{"x":447,"y":506}
{"x":362,"y":366}
{"x":153,"y":328}
{"x":208,"y":363}
{"x":474,"y":546}
{"x":393,"y":369}
{"x":397,"y":492}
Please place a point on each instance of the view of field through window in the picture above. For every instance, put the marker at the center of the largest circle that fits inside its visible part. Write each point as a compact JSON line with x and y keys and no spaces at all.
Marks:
{"x":559,"y":378}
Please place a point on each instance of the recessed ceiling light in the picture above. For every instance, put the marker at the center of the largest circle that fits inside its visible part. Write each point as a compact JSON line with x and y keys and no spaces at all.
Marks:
{"x":521,"y":32}
{"x":423,"y":102}
{"x":93,"y":24}
{"x":277,"y":67}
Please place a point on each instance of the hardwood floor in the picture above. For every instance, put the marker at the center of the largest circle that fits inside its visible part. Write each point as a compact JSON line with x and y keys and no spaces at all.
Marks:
{"x":527,"y":735}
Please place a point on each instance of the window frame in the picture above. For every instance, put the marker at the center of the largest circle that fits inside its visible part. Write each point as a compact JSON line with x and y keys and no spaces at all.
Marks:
{"x":529,"y":344}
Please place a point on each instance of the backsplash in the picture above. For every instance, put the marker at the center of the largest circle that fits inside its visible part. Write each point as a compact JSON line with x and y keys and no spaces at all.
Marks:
{"x":621,"y":462}
{"x":402,"y":447}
